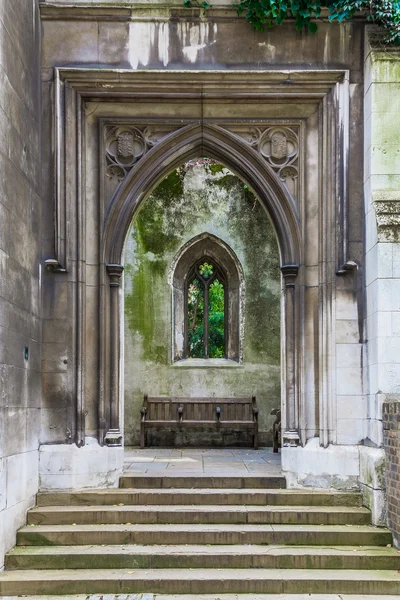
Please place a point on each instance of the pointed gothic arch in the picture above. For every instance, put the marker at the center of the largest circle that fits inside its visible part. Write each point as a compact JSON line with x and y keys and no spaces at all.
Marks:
{"x":217,"y":143}
{"x":179,"y":147}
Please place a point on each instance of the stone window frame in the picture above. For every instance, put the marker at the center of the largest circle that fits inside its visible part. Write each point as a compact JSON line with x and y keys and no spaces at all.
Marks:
{"x":208,"y":247}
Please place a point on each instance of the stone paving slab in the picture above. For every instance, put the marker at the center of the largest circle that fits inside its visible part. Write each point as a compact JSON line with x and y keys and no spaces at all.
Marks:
{"x":207,"y":597}
{"x":202,"y":461}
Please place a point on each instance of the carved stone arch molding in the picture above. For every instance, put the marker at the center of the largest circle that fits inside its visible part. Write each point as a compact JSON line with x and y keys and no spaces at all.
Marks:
{"x":220,"y":144}
{"x":263,"y":151}
{"x":217,"y":143}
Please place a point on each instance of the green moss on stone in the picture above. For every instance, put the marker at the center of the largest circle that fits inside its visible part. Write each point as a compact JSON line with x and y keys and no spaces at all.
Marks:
{"x":189,"y":202}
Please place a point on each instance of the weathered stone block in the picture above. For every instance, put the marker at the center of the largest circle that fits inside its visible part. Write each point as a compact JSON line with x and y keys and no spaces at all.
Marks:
{"x":25,"y":485}
{"x":69,"y":467}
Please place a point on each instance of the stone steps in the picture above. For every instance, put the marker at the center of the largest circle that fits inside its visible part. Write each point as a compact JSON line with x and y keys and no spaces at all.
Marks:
{"x":306,"y":535}
{"x":196,"y":482}
{"x":199,"y":581}
{"x":205,"y":514}
{"x":201,"y":496}
{"x":234,"y":537}
{"x":202,"y":557}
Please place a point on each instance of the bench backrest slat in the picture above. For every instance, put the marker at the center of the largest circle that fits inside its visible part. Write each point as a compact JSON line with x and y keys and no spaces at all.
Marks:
{"x":165,"y":408}
{"x":231,"y":401}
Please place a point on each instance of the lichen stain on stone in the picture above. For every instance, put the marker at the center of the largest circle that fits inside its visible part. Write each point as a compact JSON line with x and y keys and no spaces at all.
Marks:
{"x":192,"y":200}
{"x":194,"y":38}
{"x":147,"y":43}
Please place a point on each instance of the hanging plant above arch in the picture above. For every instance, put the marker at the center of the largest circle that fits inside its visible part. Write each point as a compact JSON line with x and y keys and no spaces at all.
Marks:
{"x":268,"y":13}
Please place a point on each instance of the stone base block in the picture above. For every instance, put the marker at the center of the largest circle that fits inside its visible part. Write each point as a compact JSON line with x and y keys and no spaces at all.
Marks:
{"x":18,"y":488}
{"x":372,"y":482}
{"x":335,"y":467}
{"x":63,"y":467}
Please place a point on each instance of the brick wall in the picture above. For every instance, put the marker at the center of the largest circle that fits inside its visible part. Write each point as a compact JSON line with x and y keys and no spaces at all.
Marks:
{"x":391,"y":440}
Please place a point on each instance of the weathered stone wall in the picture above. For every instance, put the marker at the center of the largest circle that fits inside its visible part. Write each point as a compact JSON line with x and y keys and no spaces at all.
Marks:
{"x":173,"y":38}
{"x":382,"y":230}
{"x":20,"y":215}
{"x":391,"y":442}
{"x":125,"y":63}
{"x":187,"y":203}
{"x":382,"y":258}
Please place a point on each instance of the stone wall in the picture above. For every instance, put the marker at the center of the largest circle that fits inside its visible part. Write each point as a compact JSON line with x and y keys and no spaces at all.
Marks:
{"x":188,"y":203}
{"x":391,"y":441}
{"x":382,"y":235}
{"x":382,"y":257}
{"x":20,"y":217}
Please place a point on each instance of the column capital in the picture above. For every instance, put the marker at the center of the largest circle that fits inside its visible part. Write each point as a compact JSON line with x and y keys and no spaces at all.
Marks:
{"x":290,"y":272}
{"x":115,"y":273}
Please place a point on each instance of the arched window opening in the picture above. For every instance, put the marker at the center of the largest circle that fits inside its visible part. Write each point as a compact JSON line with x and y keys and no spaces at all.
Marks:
{"x":208,"y":302}
{"x":206,"y":311}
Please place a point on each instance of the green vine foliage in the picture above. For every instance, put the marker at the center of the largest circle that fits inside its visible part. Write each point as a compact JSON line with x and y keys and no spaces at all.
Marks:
{"x":262,"y":13}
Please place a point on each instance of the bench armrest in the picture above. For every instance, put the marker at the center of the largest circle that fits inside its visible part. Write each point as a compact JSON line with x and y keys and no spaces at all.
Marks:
{"x":143,"y":412}
{"x":180,"y":413}
{"x":255,"y":413}
{"x":218,"y":413}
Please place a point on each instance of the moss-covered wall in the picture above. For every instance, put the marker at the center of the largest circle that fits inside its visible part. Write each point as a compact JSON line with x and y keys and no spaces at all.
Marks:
{"x":192,"y":200}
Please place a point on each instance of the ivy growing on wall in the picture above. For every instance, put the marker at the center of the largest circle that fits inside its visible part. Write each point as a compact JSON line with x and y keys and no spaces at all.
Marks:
{"x":262,"y":13}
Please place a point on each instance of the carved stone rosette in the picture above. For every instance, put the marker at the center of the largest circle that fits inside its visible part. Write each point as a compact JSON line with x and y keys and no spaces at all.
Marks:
{"x":279,"y":146}
{"x":125,"y":145}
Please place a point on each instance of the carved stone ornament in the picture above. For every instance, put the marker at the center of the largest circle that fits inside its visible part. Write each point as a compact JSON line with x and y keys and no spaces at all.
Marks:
{"x":279,"y":145}
{"x":125,"y":145}
{"x":387,"y":211}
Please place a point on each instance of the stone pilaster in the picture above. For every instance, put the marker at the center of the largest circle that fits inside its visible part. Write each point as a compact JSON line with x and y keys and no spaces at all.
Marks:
{"x":114,"y":435}
{"x":290,"y":437}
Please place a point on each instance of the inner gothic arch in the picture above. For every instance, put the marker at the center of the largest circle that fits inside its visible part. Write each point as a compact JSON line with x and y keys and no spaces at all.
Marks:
{"x":169,"y":252}
{"x":225,"y":147}
{"x":207,"y":246}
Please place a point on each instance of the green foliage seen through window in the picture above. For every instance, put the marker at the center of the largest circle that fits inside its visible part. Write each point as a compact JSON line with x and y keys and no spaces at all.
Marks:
{"x":215,"y":314}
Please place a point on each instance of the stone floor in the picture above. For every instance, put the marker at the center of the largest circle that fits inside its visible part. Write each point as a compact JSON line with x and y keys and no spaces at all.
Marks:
{"x":200,"y":461}
{"x":206,"y":597}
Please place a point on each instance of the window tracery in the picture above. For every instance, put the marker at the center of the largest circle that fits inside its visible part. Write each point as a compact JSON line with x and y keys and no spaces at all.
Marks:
{"x":206,"y":311}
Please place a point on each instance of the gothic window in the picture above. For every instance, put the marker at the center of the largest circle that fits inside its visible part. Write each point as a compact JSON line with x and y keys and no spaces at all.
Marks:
{"x":207,"y":301}
{"x":206,"y":311}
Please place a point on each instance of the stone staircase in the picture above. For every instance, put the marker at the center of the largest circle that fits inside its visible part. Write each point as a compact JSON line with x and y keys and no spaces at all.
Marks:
{"x":201,"y":535}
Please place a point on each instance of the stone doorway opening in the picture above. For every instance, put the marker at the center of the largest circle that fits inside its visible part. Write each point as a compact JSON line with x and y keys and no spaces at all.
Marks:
{"x":201,"y":216}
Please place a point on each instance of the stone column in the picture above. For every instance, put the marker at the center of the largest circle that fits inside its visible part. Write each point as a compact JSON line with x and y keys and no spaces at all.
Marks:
{"x":114,"y":435}
{"x":290,"y":437}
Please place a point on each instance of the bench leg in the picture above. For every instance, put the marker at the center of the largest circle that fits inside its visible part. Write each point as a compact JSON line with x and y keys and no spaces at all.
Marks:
{"x":142,"y":436}
{"x":256,"y":437}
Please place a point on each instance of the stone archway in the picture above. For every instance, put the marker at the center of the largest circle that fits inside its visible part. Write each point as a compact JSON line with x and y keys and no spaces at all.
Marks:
{"x":179,"y":147}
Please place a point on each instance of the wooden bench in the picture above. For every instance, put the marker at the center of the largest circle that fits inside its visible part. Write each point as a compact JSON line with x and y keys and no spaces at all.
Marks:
{"x":213,"y":413}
